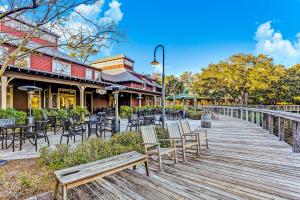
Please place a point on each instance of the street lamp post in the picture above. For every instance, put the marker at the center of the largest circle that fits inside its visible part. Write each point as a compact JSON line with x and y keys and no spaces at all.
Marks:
{"x":155,"y":62}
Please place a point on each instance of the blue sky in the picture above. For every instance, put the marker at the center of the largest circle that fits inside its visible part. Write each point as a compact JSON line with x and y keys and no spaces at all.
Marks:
{"x":198,"y":32}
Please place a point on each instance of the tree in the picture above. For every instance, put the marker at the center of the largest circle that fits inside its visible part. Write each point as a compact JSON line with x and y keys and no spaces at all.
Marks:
{"x":65,"y":18}
{"x":173,"y":86}
{"x":157,"y":77}
{"x":242,"y":76}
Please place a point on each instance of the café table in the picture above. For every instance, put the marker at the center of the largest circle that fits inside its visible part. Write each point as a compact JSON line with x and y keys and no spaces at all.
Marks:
{"x":148,"y":119}
{"x":90,"y":124}
{"x":13,"y":128}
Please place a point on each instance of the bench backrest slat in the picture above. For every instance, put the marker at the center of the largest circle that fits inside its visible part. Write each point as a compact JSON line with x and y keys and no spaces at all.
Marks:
{"x":84,"y":171}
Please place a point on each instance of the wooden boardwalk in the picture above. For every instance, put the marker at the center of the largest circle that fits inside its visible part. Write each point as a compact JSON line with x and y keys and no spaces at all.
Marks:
{"x":243,"y":162}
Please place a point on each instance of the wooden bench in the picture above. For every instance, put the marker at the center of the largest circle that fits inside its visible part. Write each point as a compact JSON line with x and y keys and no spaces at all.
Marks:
{"x":81,"y":174}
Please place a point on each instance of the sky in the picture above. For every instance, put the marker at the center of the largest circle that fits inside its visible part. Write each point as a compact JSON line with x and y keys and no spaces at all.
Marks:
{"x":196,"y":33}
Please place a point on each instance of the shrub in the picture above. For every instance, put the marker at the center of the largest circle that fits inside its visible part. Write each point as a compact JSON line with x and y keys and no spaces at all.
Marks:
{"x":52,"y":113}
{"x":62,"y":114}
{"x":38,"y":114}
{"x":125,"y":111}
{"x":64,"y":156}
{"x":79,"y":112}
{"x":195,"y":115}
{"x":162,"y":133}
{"x":20,"y":116}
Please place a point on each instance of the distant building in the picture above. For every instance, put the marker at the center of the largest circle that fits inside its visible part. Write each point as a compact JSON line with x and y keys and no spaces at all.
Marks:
{"x":67,"y":82}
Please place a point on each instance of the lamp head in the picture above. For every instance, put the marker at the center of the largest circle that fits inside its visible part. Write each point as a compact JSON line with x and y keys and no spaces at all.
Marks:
{"x":154,"y":62}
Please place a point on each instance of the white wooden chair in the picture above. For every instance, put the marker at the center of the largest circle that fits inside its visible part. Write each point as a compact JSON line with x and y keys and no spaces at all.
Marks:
{"x":183,"y":141}
{"x":186,"y":129}
{"x":152,"y":145}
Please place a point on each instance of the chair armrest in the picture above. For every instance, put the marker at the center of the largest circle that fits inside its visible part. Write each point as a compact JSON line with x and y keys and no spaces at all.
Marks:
{"x":154,"y":144}
{"x":191,"y":134}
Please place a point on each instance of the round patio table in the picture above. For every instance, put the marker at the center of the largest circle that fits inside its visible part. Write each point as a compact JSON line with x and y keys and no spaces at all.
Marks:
{"x":13,"y":127}
{"x":90,"y":124}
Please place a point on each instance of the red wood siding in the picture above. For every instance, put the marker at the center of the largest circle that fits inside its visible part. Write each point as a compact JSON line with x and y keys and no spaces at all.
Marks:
{"x":41,"y":62}
{"x":78,"y":71}
{"x":18,"y":33}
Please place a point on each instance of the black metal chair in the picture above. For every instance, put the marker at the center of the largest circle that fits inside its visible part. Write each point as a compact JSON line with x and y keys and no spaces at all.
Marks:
{"x":71,"y":130}
{"x":133,"y":123}
{"x":39,"y":131}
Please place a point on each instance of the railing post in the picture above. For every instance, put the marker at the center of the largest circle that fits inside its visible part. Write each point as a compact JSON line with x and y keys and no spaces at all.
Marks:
{"x":263,"y":121}
{"x":252,"y":116}
{"x":296,"y":137}
{"x":231,"y":112}
{"x":281,"y":125}
{"x":241,"y":113}
{"x":270,"y":124}
{"x":258,"y":118}
{"x":247,"y":115}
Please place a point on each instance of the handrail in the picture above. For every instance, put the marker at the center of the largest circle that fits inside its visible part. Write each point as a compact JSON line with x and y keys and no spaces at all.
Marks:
{"x":286,"y":122}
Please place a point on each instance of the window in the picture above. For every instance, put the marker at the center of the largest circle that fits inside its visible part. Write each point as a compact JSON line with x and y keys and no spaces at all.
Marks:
{"x":129,"y":63}
{"x":23,"y":61}
{"x":97,"y":76}
{"x":61,"y":67}
{"x":88,"y":74}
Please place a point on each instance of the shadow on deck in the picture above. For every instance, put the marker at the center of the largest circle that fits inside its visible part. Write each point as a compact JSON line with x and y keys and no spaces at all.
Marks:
{"x":243,"y":162}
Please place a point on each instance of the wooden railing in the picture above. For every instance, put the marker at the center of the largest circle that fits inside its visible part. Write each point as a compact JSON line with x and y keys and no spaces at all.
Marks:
{"x":285,"y":125}
{"x":287,"y":108}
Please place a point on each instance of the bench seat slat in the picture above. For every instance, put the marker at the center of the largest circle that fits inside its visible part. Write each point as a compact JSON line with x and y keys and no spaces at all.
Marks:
{"x":84,"y":171}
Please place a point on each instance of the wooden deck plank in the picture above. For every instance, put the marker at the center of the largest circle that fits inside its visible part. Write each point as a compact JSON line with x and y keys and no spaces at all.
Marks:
{"x":243,"y":162}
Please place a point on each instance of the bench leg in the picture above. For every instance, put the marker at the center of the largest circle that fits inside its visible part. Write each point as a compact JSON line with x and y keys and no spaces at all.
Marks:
{"x":64,"y":192}
{"x":56,"y":190}
{"x":147,"y":167}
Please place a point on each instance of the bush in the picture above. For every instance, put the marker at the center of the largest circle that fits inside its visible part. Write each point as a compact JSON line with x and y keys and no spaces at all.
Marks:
{"x":125,"y":111}
{"x":8,"y":113}
{"x":162,"y":133}
{"x":79,"y":112}
{"x":176,"y":107}
{"x":64,"y":156}
{"x":38,"y":114}
{"x":195,"y":115}
{"x":62,"y":114}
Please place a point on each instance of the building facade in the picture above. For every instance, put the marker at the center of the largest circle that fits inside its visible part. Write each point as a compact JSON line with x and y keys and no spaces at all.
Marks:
{"x":65,"y":81}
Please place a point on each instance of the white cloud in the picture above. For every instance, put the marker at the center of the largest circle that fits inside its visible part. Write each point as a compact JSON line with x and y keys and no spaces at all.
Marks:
{"x":114,"y":13}
{"x":3,"y":8}
{"x":272,"y":43}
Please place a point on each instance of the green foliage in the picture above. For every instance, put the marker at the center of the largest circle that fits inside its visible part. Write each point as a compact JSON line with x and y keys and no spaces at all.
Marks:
{"x":125,"y":111}
{"x":175,"y":107}
{"x":52,"y":113}
{"x":38,"y":114}
{"x":173,"y":85}
{"x":79,"y":112}
{"x":62,"y":113}
{"x":246,"y":78}
{"x":162,"y":133}
{"x":195,"y":115}
{"x":8,"y":113}
{"x":64,"y":156}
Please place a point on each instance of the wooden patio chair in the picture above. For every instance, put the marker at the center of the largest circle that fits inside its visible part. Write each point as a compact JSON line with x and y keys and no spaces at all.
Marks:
{"x":186,"y":129}
{"x":152,"y":145}
{"x":183,"y":141}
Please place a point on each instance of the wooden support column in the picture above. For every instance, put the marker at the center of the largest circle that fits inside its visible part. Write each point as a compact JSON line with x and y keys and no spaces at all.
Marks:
{"x":155,"y":100}
{"x":281,"y":126}
{"x":271,"y":128}
{"x":3,"y":92}
{"x":296,"y":137}
{"x":81,"y":93}
{"x":140,"y":99}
